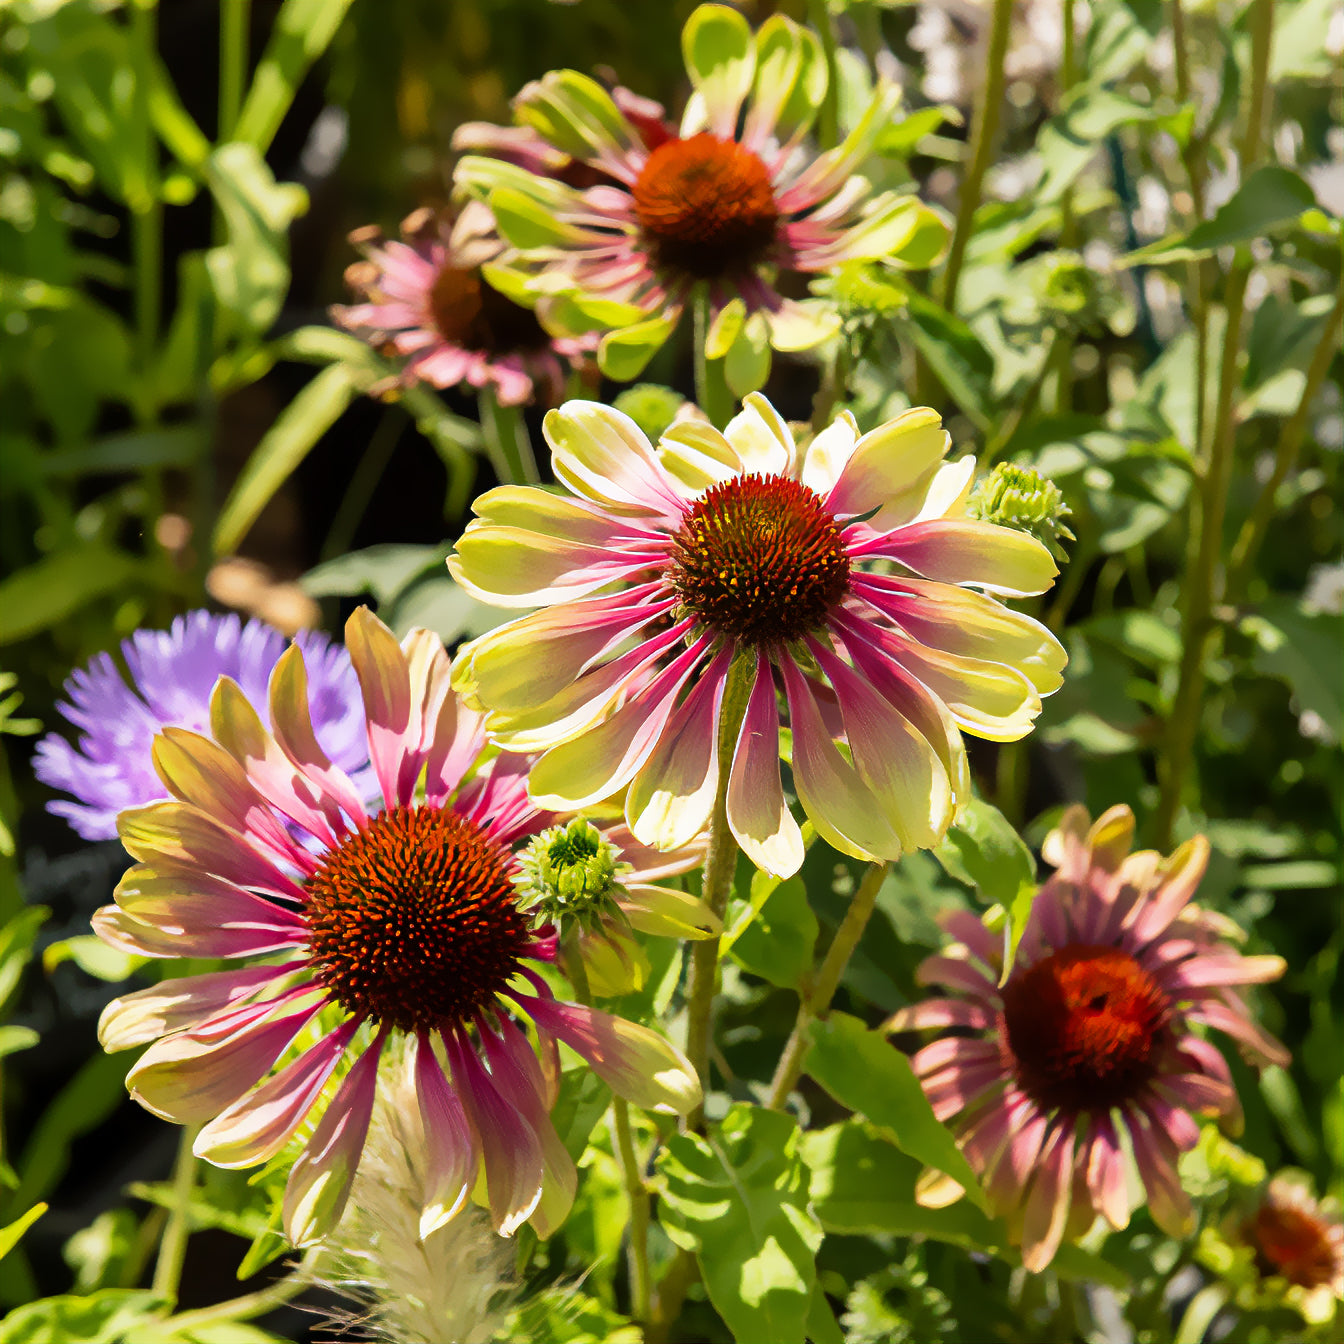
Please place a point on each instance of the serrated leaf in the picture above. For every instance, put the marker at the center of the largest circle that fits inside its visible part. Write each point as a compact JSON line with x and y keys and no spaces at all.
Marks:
{"x":738,"y":1197}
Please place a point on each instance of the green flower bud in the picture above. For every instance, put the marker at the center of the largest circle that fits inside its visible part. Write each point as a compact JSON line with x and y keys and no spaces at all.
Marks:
{"x":571,"y":871}
{"x":1021,"y":498}
{"x":1078,"y":296}
{"x":651,"y":406}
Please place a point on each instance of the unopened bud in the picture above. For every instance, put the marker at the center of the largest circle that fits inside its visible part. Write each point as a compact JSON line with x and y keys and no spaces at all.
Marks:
{"x":570,"y":871}
{"x":1021,"y":498}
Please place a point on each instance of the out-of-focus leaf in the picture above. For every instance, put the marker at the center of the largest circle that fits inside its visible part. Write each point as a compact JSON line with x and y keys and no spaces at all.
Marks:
{"x":381,"y":571}
{"x":1300,"y":50}
{"x":776,"y":941}
{"x":900,"y":138}
{"x":1067,"y":142}
{"x":955,"y":354}
{"x":10,"y":1235}
{"x":822,"y":1327}
{"x":111,"y":1316}
{"x":93,"y":956}
{"x":1304,"y":650}
{"x":302,"y":31}
{"x":16,"y":947}
{"x":250,"y":273}
{"x":738,"y":1198}
{"x":861,"y":1069}
{"x":438,"y":604}
{"x":13,"y":1039}
{"x":1272,"y":196}
{"x":48,"y":591}
{"x":135,"y":450}
{"x":295,"y":433}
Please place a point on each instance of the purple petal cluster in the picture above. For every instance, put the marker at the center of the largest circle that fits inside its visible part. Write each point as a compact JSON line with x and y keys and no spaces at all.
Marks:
{"x":172,"y":673}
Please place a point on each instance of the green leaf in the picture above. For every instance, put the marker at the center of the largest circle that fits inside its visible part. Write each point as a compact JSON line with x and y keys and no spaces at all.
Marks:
{"x":134,"y":450}
{"x":381,"y":571}
{"x":1270,"y":197}
{"x":564,"y":1316}
{"x":738,"y":1198}
{"x":303,"y":29}
{"x":1303,"y":650}
{"x":623,"y":355}
{"x":250,"y":273}
{"x":900,"y":137}
{"x":16,"y":947}
{"x":10,"y":1235}
{"x":861,"y":1069}
{"x":108,"y":1317}
{"x":954,"y":352}
{"x":92,"y":956}
{"x":774,"y":934}
{"x":293,"y":436}
{"x":1300,"y":49}
{"x":1067,"y":142}
{"x":48,"y":591}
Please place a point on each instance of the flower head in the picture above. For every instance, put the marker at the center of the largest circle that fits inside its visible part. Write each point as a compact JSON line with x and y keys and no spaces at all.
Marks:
{"x":172,"y":673}
{"x":837,"y":575}
{"x":602,"y":885}
{"x":427,"y":299}
{"x":352,"y":931}
{"x":727,"y":202}
{"x":1091,"y":1036}
{"x":1298,"y":1238}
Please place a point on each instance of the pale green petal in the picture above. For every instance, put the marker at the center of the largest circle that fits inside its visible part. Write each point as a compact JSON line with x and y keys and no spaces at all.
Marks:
{"x":721,"y":62}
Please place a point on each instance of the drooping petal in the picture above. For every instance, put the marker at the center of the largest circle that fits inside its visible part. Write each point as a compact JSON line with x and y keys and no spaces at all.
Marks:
{"x":1047,"y":1206}
{"x":260,"y":1123}
{"x":180,"y":1003}
{"x":667,"y":911}
{"x":319,"y":1185}
{"x":638,"y":1064}
{"x":385,"y":682}
{"x":671,"y":798}
{"x":451,"y":1150}
{"x":758,"y":814}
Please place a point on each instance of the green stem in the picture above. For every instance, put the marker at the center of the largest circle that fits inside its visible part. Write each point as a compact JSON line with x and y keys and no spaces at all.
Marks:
{"x":173,"y":1247}
{"x":234,"y":27}
{"x":983,"y":130}
{"x":815,"y":1001}
{"x":507,"y":441}
{"x":716,"y":885}
{"x":1285,"y":455}
{"x":711,"y":391}
{"x":244,"y":1308}
{"x":828,"y":115}
{"x":146,"y":230}
{"x":1214,"y":473}
{"x":572,"y":961}
{"x":637,"y":1254}
{"x":363,"y":481}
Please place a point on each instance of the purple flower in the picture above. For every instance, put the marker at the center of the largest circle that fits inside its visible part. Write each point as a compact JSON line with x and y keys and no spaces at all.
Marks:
{"x":172,"y":673}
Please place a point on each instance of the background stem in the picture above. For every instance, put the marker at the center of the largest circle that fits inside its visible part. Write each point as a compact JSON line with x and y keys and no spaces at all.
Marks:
{"x":711,"y":391}
{"x":173,"y":1247}
{"x":637,"y":1253}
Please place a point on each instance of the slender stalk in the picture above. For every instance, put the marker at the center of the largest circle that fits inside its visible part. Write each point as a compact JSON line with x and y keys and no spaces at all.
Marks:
{"x":572,"y":961}
{"x":637,"y":1253}
{"x":711,"y":391}
{"x":828,"y":115}
{"x":234,"y":27}
{"x":1285,"y":457}
{"x":1213,"y":477}
{"x":146,"y":227}
{"x":244,"y":1308}
{"x":716,"y":884}
{"x":507,"y":441}
{"x":173,"y":1247}
{"x":363,"y":480}
{"x":983,"y":131}
{"x":817,"y":999}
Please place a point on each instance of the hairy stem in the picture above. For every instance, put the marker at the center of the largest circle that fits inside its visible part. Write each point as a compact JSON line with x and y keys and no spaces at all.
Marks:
{"x":637,"y":1253}
{"x":1214,"y":473}
{"x":173,"y":1247}
{"x":817,"y":999}
{"x":983,"y":131}
{"x":244,"y":1308}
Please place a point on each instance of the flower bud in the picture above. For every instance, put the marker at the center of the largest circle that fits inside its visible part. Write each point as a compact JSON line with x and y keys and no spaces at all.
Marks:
{"x":1021,"y":498}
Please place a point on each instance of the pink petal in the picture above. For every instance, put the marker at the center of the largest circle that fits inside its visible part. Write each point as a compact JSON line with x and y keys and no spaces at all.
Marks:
{"x":1156,"y":1157}
{"x":1047,"y":1206}
{"x":319,"y":1185}
{"x":940,"y":1013}
{"x":514,"y":1163}
{"x":1181,"y":876}
{"x":384,"y":680}
{"x":260,"y":1123}
{"x":1105,"y":1167}
{"x":957,"y":974}
{"x":1259,"y":1042}
{"x":452,"y":1155}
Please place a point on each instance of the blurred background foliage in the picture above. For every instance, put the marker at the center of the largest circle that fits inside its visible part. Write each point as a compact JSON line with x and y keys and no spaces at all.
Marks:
{"x":178,"y":424}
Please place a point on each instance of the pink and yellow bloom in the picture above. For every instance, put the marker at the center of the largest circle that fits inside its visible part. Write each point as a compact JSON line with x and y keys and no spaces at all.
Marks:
{"x":1297,"y":1244}
{"x":427,"y":301}
{"x":839,"y":575}
{"x":1089,"y":1049}
{"x":354,"y":937}
{"x":724,"y":206}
